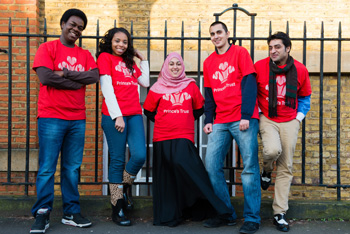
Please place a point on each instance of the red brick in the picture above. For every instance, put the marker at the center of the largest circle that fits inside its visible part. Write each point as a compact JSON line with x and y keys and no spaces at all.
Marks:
{"x":14,"y":7}
{"x":7,"y":1}
{"x":7,"y":14}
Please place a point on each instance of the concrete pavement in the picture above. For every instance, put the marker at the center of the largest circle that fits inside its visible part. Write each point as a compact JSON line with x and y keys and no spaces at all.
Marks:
{"x":103,"y":225}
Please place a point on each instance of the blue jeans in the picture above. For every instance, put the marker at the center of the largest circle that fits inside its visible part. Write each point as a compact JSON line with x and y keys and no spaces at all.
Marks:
{"x":67,"y":137}
{"x":134,"y":135}
{"x":219,"y":142}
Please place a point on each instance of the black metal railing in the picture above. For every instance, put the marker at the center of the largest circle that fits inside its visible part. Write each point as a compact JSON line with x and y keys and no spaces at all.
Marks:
{"x":182,"y":39}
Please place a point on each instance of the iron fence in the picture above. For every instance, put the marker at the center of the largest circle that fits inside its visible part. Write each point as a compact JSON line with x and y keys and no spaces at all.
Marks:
{"x":198,"y":75}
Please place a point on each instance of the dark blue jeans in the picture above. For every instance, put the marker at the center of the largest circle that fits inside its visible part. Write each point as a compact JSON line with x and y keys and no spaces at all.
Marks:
{"x":219,"y":142}
{"x":67,"y":137}
{"x":134,"y":135}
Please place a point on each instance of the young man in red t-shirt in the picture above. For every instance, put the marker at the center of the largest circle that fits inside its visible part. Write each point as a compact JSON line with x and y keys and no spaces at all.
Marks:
{"x":230,"y":96}
{"x":63,"y":70}
{"x":284,"y":92}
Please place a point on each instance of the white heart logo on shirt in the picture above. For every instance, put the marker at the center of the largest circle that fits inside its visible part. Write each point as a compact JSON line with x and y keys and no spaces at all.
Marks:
{"x":223,"y":66}
{"x":71,"y":60}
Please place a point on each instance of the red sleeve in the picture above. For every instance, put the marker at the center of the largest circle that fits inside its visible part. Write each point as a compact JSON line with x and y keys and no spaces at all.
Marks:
{"x":43,"y":57}
{"x":245,"y":63}
{"x":137,"y":71}
{"x":151,"y":102}
{"x":197,"y":100}
{"x":104,"y":64}
{"x":90,"y":63}
{"x":305,"y":86}
{"x":205,"y":75}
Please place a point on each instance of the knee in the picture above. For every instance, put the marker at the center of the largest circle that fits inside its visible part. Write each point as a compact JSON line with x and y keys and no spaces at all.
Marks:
{"x":139,"y":158}
{"x":272,"y":153}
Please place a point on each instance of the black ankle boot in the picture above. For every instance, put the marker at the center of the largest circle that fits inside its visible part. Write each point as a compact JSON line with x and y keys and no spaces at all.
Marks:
{"x":128,"y":201}
{"x":118,"y":215}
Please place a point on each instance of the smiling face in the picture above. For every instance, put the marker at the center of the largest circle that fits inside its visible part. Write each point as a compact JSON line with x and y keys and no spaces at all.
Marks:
{"x":119,"y":43}
{"x":278,"y":52}
{"x":175,"y":67}
{"x":219,"y":37}
{"x":71,"y":30}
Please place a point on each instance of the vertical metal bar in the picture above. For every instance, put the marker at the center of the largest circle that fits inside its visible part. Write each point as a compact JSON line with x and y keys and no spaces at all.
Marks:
{"x":165,"y":38}
{"x":9,"y":128}
{"x":45,"y":31}
{"x":97,"y":95}
{"x":28,"y":108}
{"x":270,"y":33}
{"x":234,"y":23}
{"x":148,"y":128}
{"x":199,"y":75}
{"x":182,"y":40}
{"x":304,"y":121}
{"x":115,"y":23}
{"x":132,"y":31}
{"x":252,"y":32}
{"x":287,"y":28}
{"x":338,"y":111}
{"x":321,"y":106}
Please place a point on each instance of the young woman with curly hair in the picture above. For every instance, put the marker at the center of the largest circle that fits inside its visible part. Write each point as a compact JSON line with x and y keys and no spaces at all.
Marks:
{"x":122,"y":120}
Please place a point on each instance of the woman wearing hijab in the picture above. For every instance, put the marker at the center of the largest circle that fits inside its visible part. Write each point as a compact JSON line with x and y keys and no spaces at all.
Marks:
{"x":181,"y":186}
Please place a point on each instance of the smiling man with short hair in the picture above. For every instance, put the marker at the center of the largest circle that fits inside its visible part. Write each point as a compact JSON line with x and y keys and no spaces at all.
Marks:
{"x":231,"y":112}
{"x":64,"y":69}
{"x":284,"y":93}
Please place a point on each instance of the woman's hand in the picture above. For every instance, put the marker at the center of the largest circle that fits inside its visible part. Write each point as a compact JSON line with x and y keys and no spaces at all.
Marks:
{"x":119,"y":124}
{"x":139,"y":55}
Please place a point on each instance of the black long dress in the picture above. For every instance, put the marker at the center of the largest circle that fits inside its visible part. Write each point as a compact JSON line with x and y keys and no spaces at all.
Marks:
{"x":181,"y":186}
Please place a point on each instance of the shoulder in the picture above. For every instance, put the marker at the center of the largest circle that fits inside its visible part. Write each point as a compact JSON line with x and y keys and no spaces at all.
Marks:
{"x":238,"y":49}
{"x":262,"y":62}
{"x":49,"y":45}
{"x":299,"y":65}
{"x":104,"y":56}
{"x":210,"y":57}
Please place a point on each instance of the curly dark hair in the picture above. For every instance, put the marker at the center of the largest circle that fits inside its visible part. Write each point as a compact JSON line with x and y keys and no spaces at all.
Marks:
{"x":105,"y":45}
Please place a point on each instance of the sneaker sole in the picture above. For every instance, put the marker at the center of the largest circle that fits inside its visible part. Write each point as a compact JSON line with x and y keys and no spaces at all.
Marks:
{"x":40,"y":231}
{"x":74,"y":224}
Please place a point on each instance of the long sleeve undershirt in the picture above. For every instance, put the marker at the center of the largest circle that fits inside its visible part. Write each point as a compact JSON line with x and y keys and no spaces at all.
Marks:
{"x":71,"y":79}
{"x":48,"y":78}
{"x":249,"y":94}
{"x":304,"y":104}
{"x":108,"y":90}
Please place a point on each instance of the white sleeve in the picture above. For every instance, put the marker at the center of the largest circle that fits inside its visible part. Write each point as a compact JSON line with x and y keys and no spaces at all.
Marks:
{"x":110,"y":98}
{"x":300,"y":116}
{"x":143,"y":80}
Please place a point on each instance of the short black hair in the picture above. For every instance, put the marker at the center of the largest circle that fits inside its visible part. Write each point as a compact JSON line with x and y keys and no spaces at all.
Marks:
{"x":282,"y":36}
{"x":76,"y":12}
{"x":219,"y":22}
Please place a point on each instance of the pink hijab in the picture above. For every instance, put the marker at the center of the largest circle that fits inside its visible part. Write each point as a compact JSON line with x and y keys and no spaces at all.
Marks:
{"x":166,"y":83}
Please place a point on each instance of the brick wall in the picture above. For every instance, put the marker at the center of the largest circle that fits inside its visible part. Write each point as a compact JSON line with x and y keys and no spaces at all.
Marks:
{"x":19,"y":11}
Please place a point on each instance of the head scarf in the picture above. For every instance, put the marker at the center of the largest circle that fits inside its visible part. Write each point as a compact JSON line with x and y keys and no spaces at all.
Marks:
{"x":166,"y":83}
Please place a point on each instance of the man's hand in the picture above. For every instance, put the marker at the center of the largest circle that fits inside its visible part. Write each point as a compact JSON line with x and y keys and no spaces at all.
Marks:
{"x":208,"y":128}
{"x":243,"y":124}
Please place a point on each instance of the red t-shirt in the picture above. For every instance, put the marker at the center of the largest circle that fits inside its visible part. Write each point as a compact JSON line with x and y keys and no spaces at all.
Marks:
{"x":174,"y":118}
{"x":124,"y":84}
{"x":284,"y":112}
{"x":62,"y":103}
{"x":223,"y":73}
